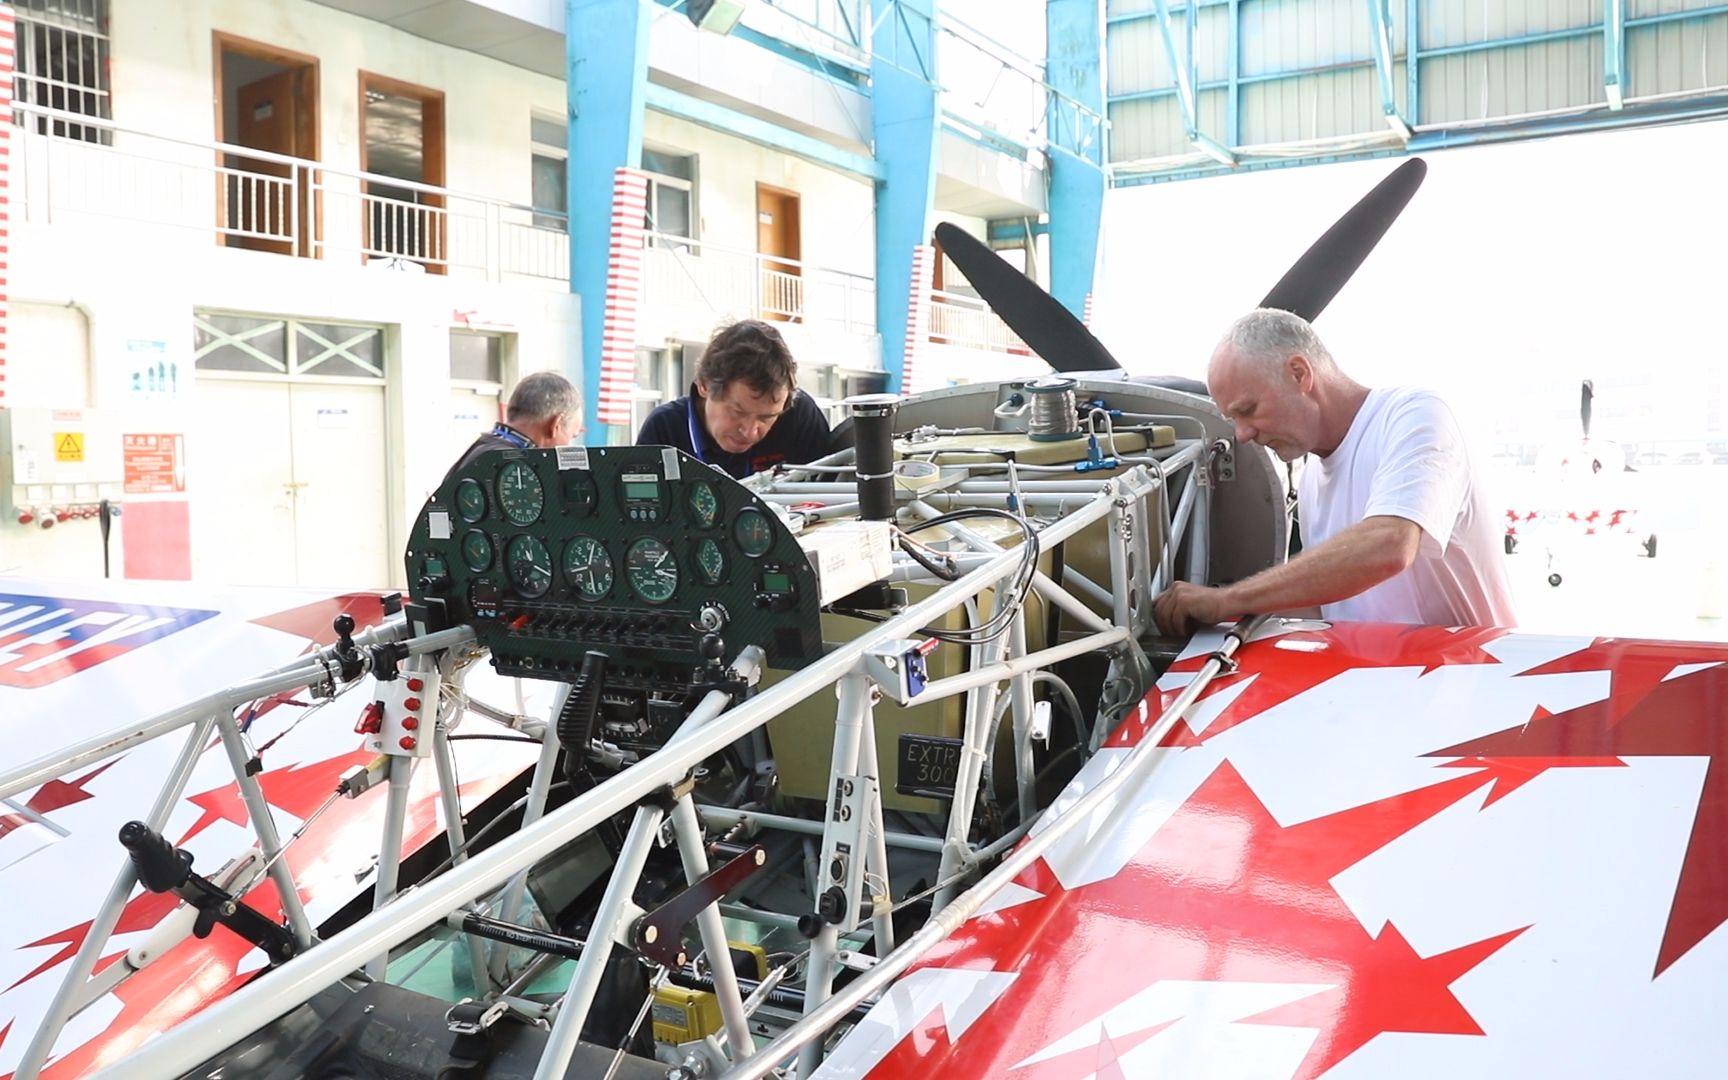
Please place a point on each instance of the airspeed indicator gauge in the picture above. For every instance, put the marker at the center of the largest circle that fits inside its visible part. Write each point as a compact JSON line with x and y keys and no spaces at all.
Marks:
{"x":651,"y":570}
{"x":520,"y":493}
{"x":470,"y":501}
{"x":529,"y":566}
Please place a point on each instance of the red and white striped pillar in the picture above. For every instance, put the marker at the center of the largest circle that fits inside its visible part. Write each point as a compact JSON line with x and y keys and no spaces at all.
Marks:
{"x":623,"y":296}
{"x":8,"y":63}
{"x":915,"y":376}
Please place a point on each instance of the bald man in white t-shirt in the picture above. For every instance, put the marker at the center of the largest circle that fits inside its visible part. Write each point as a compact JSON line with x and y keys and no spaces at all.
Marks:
{"x":1395,"y":525}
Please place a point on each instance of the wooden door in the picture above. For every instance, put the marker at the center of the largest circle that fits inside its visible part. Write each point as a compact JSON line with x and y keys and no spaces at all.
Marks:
{"x":259,"y":198}
{"x":777,"y":241}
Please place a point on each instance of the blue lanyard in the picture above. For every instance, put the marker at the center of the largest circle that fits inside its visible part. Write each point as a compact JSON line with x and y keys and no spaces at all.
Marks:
{"x":696,"y":438}
{"x":510,"y":435}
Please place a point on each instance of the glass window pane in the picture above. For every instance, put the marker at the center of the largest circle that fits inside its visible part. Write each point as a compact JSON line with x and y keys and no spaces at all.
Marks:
{"x":549,"y":195}
{"x":672,"y":211}
{"x":334,"y":349}
{"x":648,"y":367}
{"x":548,"y":132}
{"x":239,"y":343}
{"x":682,"y":166}
{"x":476,"y":357}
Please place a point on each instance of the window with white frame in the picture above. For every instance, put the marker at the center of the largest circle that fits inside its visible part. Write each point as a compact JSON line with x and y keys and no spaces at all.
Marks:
{"x":658,"y":380}
{"x":549,"y":139}
{"x":237,"y":344}
{"x":62,"y":64}
{"x":671,"y":192}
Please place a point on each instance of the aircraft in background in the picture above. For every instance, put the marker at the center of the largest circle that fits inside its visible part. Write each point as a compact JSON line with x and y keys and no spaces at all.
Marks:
{"x":1582,"y":491}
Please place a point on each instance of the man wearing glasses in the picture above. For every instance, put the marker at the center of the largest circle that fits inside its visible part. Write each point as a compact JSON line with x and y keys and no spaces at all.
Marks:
{"x":744,"y":413}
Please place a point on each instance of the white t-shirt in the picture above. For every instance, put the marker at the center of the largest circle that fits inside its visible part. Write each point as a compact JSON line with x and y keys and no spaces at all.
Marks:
{"x":1404,"y":456}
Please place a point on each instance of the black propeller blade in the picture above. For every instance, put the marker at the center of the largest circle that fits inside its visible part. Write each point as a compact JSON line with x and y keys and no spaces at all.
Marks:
{"x":1047,"y":327}
{"x":1589,"y":391}
{"x":1308,"y":286}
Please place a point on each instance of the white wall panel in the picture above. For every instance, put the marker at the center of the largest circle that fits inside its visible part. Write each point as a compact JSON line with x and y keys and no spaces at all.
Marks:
{"x":1512,"y":82}
{"x":1461,"y":22}
{"x":1148,"y":128}
{"x":1285,"y":35}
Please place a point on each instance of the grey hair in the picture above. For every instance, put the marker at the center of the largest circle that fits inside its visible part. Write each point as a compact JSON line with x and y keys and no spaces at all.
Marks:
{"x":1266,"y":337}
{"x":543,"y":396}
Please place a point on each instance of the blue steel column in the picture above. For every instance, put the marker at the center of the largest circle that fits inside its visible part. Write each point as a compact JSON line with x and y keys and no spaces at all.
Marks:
{"x":904,"y":119}
{"x":606,"y":78}
{"x":1073,"y":66}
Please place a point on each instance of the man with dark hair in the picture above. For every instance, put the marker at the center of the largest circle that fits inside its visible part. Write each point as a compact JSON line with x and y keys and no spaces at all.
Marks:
{"x":744,"y":412}
{"x":545,"y":410}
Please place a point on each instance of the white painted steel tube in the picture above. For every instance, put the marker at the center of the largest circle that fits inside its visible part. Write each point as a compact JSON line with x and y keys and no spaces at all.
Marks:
{"x":945,"y":922}
{"x":218,"y":1027}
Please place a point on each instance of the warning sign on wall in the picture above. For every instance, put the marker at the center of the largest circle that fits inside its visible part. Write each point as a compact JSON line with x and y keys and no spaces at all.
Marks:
{"x":68,"y":446}
{"x":155,"y":464}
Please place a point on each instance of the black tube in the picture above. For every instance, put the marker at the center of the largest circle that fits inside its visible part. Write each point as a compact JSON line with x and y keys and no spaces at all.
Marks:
{"x":873,"y":420}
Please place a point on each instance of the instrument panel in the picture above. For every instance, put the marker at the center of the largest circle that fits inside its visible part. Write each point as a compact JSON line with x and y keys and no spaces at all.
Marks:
{"x":635,"y":551}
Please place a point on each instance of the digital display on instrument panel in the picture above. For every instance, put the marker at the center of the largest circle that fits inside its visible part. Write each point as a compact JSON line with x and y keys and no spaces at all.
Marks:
{"x":642,"y":496}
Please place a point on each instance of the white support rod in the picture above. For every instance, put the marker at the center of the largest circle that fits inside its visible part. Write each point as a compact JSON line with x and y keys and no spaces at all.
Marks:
{"x":264,"y":825}
{"x":301,"y":673}
{"x":538,"y":790}
{"x":708,"y":923}
{"x":181,"y":1049}
{"x":991,"y":674}
{"x":850,"y":716}
{"x":752,"y":820}
{"x":945,"y":922}
{"x":450,"y":798}
{"x":61,"y":1009}
{"x":585,"y":980}
{"x":390,"y":852}
{"x":1062,"y":598}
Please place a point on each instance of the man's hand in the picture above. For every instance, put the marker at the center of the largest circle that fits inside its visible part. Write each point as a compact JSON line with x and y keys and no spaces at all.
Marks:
{"x":1184,"y":605}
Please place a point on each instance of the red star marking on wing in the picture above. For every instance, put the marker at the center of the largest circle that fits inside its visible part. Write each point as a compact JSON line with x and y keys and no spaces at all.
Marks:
{"x":1635,"y":667}
{"x":1221,"y":893}
{"x":1510,"y":774}
{"x":1282,"y":672}
{"x":298,"y":790}
{"x":1645,"y":716}
{"x":53,"y":795}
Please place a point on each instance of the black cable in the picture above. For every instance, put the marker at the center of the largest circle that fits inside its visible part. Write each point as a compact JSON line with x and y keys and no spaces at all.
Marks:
{"x":503,"y":814}
{"x":496,"y":738}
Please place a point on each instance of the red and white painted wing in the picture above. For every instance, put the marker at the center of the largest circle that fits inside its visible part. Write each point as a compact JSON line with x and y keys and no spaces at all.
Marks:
{"x":1374,"y":851}
{"x":77,"y":660}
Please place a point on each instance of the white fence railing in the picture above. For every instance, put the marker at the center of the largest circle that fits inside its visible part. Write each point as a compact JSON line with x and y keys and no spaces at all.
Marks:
{"x":274,"y":202}
{"x":707,"y":283}
{"x":968,"y":323}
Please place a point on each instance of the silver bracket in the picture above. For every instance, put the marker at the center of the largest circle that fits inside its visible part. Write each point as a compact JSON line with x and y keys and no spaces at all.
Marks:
{"x":1226,"y":450}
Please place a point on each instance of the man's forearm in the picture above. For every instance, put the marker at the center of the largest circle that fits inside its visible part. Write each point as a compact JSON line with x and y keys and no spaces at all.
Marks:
{"x":1349,"y":563}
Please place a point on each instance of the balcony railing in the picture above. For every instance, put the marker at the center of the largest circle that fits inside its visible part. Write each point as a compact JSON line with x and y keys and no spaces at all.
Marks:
{"x":968,"y":323}
{"x":273,"y":202}
{"x":694,"y":285}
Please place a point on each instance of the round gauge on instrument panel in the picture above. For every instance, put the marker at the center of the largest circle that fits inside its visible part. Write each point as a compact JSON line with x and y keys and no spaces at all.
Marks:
{"x":476,"y":551}
{"x":710,"y":561}
{"x":704,"y":505}
{"x":529,"y":566}
{"x":753,"y":531}
{"x":652,"y":570}
{"x":588,"y":567}
{"x":470,"y":501}
{"x":520,"y":494}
